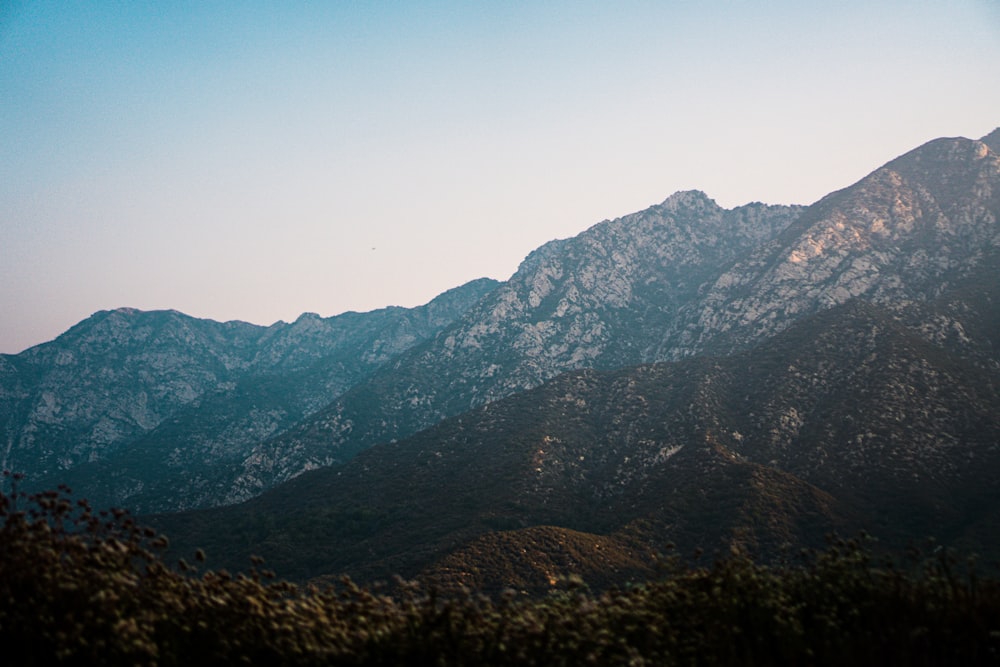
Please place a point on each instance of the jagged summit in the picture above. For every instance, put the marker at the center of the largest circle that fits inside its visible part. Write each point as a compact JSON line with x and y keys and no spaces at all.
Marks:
{"x":688,"y":199}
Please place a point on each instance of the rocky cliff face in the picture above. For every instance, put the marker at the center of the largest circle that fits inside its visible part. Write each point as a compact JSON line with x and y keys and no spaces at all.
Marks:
{"x":127,"y":398}
{"x":600,"y":299}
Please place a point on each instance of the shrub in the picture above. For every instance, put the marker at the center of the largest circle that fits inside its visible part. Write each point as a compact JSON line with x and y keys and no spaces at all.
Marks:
{"x":79,"y":587}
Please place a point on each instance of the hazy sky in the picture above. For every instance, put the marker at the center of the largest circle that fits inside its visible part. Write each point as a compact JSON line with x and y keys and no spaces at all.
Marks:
{"x":255,"y":160}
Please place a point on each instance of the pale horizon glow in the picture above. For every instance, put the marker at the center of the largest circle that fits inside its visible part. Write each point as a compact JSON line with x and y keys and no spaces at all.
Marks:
{"x":254,"y":160}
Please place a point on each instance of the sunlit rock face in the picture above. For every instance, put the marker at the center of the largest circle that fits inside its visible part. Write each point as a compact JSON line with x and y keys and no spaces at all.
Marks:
{"x":905,"y":233}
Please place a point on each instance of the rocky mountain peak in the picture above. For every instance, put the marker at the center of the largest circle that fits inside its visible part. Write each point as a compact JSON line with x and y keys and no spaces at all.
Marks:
{"x":598,"y":300}
{"x":688,"y":200}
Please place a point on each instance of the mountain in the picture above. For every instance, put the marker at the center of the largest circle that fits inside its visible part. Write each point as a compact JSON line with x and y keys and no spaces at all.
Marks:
{"x":144,"y":408}
{"x":158,"y":411}
{"x":902,"y":234}
{"x":598,"y":300}
{"x":847,"y":420}
{"x":680,"y":279}
{"x":839,"y":372}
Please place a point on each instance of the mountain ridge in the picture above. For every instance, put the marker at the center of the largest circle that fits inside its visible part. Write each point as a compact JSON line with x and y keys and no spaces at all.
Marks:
{"x":886,"y":237}
{"x":683,"y":279}
{"x":96,"y":393}
{"x":593,"y":300}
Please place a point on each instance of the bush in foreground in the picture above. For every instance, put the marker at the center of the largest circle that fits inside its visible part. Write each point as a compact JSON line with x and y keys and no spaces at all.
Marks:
{"x":78,"y":587}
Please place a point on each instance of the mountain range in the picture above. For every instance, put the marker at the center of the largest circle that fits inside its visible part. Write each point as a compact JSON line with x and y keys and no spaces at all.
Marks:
{"x":751,"y":378}
{"x":145,"y":408}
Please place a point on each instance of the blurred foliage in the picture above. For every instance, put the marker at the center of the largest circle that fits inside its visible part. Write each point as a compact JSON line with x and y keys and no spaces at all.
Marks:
{"x":85,"y":587}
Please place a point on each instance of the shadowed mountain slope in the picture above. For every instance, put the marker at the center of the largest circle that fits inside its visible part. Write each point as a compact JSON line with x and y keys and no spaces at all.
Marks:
{"x":848,"y":420}
{"x":144,"y":408}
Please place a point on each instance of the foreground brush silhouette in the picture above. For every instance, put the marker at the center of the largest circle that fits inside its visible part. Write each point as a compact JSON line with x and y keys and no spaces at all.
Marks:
{"x":85,"y":587}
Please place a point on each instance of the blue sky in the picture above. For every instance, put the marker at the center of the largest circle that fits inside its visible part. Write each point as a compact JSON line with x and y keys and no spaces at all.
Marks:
{"x":256,"y":160}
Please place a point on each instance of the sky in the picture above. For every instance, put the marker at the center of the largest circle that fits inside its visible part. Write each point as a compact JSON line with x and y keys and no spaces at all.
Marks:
{"x":255,"y":160}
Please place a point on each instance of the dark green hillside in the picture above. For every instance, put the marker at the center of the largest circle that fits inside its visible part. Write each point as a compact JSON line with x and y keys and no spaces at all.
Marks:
{"x":83,"y":589}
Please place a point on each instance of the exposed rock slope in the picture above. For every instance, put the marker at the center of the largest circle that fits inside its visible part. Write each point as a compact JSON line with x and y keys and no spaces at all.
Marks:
{"x":904,"y":233}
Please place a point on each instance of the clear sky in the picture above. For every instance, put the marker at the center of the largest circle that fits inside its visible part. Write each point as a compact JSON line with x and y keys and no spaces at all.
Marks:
{"x":255,"y":160}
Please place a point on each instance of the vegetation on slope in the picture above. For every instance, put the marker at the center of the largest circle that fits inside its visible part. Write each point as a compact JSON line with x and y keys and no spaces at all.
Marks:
{"x":78,"y":587}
